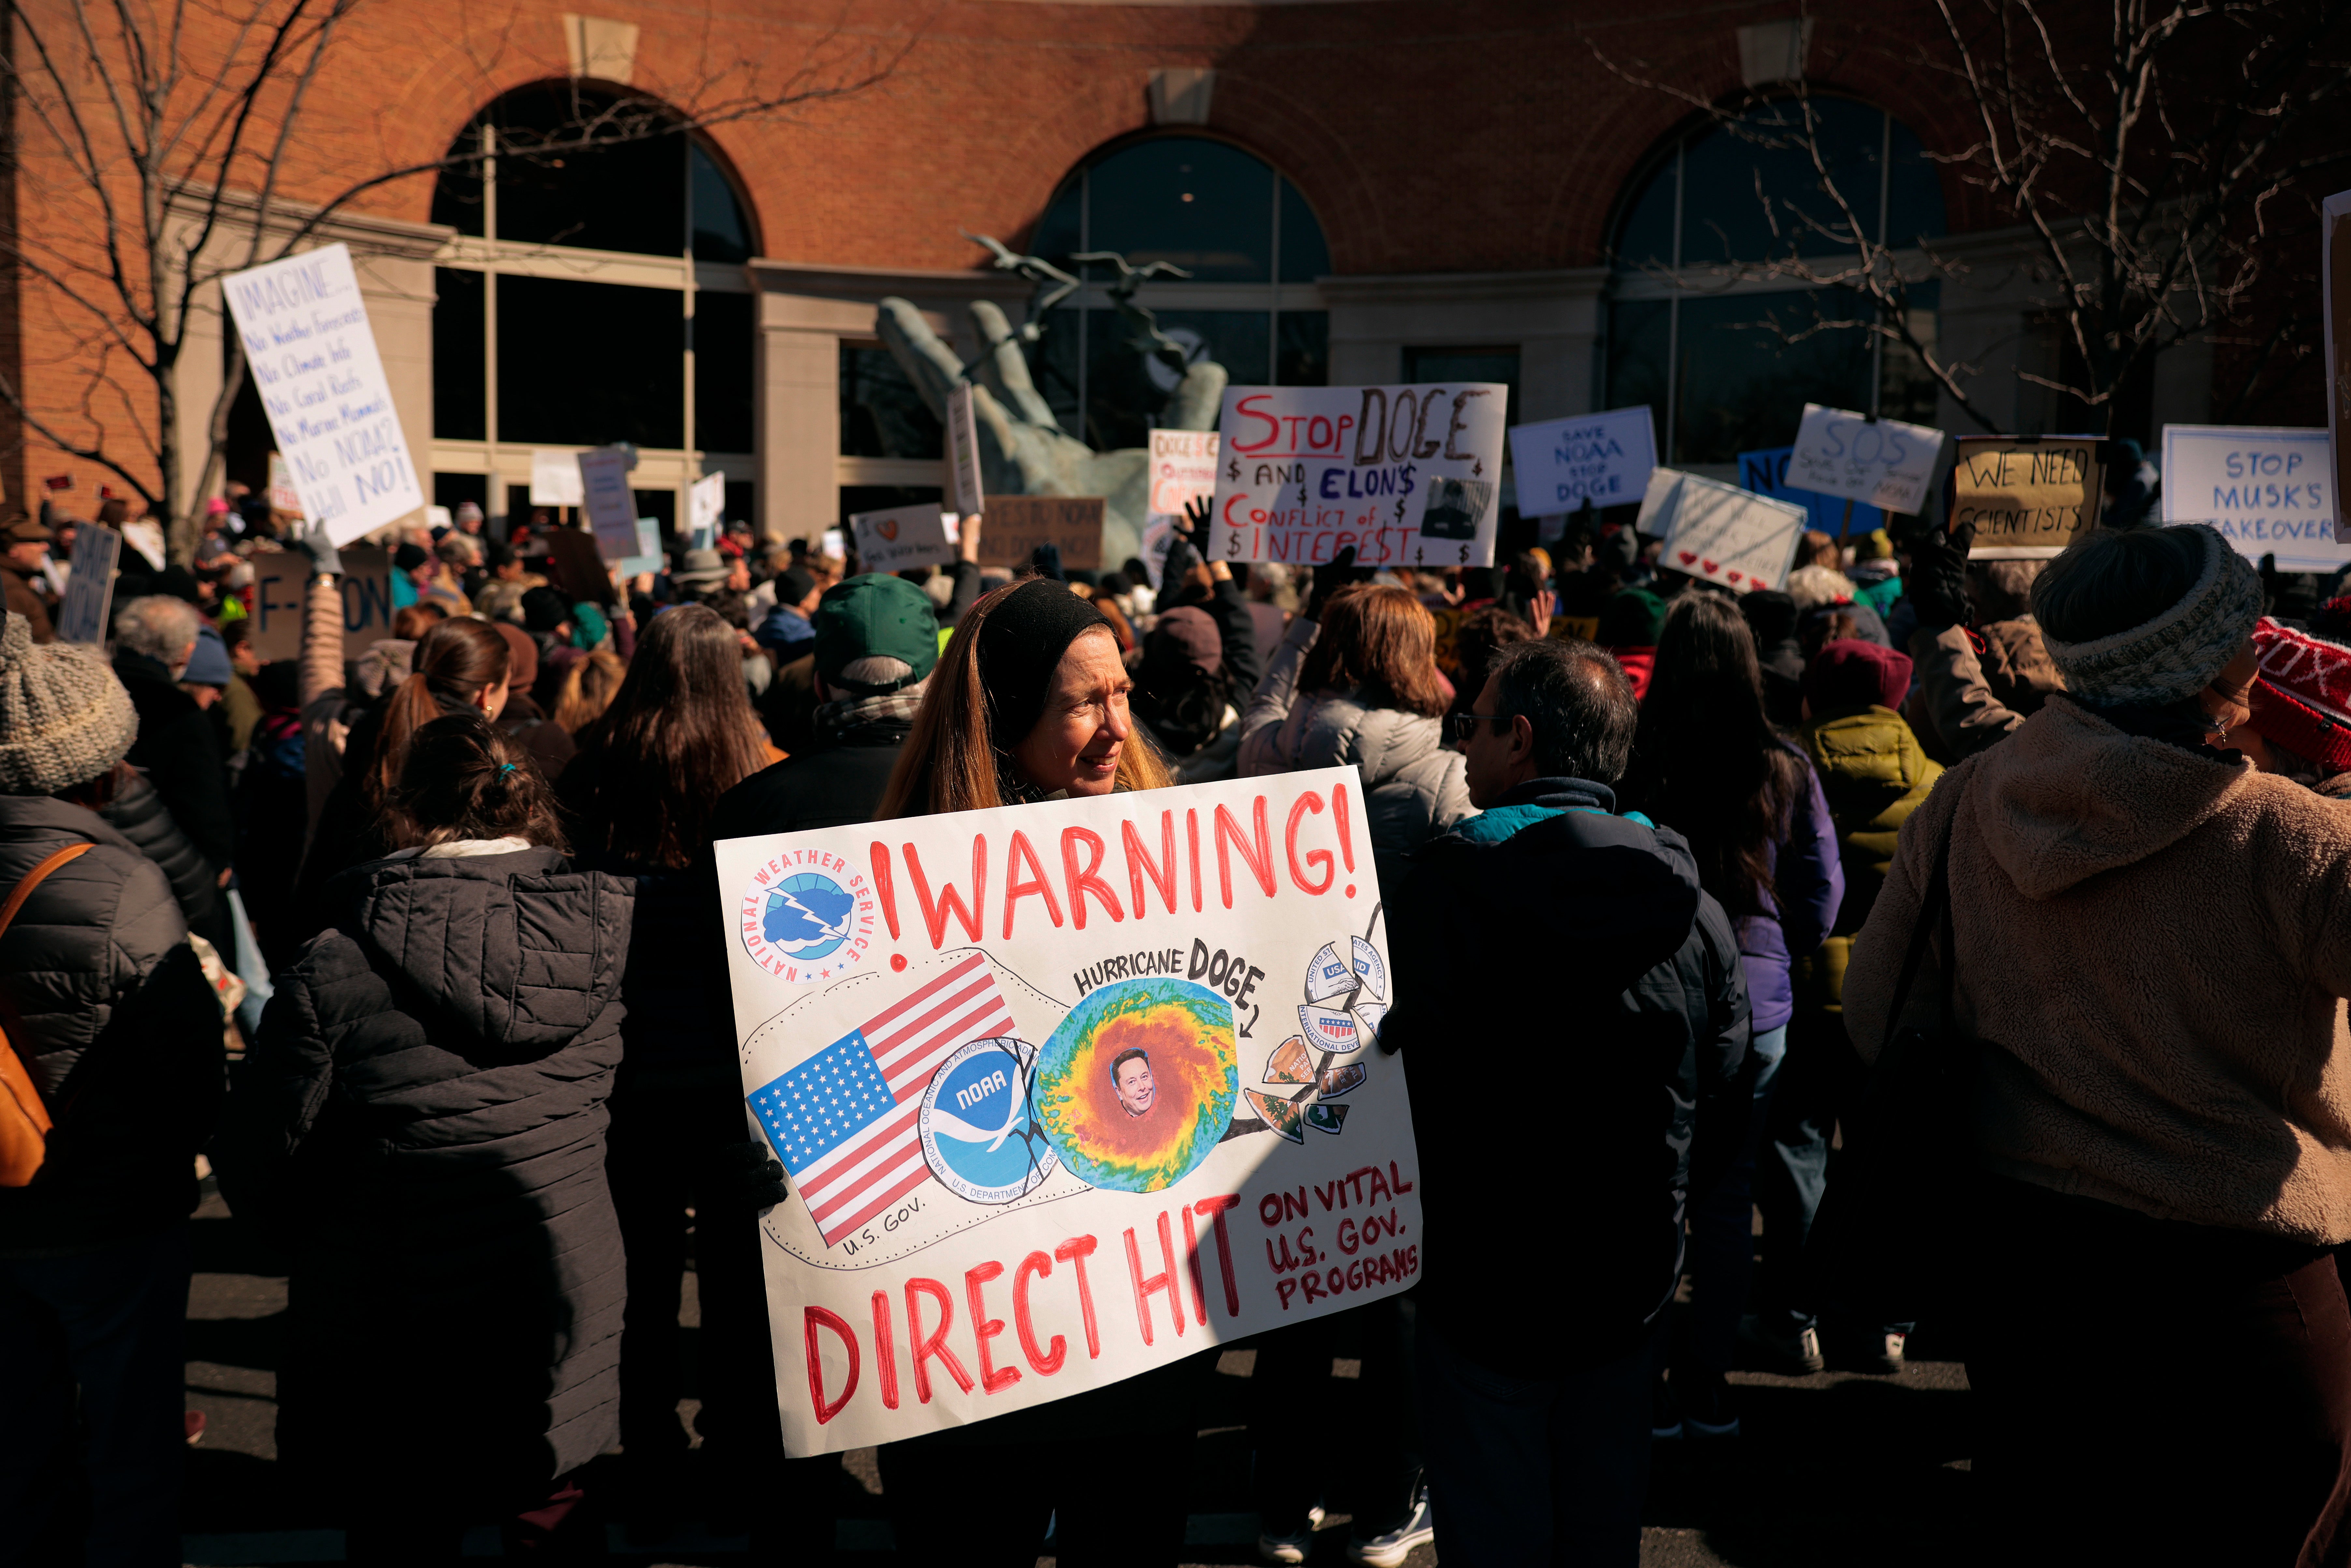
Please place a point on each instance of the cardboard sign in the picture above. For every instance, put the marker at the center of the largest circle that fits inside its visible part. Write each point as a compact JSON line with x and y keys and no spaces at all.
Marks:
{"x":89,"y":591}
{"x":965,"y":493}
{"x":1853,"y":458}
{"x":611,"y":504}
{"x":648,"y":557}
{"x":1183,"y":471}
{"x":904,"y":536}
{"x":555,"y":479}
{"x":705,"y":502}
{"x":281,"y":580}
{"x":576,"y":566}
{"x":1766,"y":474}
{"x":2335,"y":280}
{"x":1604,"y":458}
{"x":1721,"y":533}
{"x":366,"y":583}
{"x":1407,"y":476}
{"x":1016,"y":525}
{"x":1067,"y":1092}
{"x":2028,"y":497}
{"x":2266,"y":490}
{"x":304,"y":329}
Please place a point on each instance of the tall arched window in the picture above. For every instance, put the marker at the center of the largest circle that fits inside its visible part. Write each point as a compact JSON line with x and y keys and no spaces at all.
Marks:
{"x":1727,"y":355}
{"x":1243,"y":231}
{"x":594,"y":294}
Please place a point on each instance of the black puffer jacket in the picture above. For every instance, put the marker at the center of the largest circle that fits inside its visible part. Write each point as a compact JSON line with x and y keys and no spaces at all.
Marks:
{"x":139,"y":814}
{"x":422,"y":1125}
{"x":1574,"y":1021}
{"x":108,"y":1010}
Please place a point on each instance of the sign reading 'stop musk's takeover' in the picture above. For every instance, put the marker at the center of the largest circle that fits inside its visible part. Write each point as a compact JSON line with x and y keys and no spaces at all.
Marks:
{"x":1066,"y":1091}
{"x":2271,"y":492}
{"x":1404,"y":476}
{"x":304,"y":330}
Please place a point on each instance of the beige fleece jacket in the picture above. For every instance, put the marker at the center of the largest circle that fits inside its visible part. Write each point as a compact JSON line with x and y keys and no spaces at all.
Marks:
{"x":2154,"y":948}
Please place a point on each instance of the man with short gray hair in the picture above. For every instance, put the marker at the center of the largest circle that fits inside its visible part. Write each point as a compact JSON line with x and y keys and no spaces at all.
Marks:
{"x":179,"y":747}
{"x":1572,"y":948}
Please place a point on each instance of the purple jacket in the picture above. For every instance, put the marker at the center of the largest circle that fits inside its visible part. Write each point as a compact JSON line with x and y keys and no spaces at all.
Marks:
{"x":1811,"y":884}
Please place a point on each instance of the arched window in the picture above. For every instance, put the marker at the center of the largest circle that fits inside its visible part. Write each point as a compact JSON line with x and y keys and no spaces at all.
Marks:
{"x":595,"y":293}
{"x":1243,"y":231}
{"x":1700,"y":329}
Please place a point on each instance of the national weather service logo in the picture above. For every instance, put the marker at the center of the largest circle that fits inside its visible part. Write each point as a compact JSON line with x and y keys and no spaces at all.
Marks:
{"x":806,"y":915}
{"x":980,"y":1133}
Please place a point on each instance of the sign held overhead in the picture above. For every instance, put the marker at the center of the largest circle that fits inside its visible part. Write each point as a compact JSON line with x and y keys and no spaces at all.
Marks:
{"x":1719,"y":533}
{"x":2028,"y":497}
{"x":1603,"y":458}
{"x":904,"y":536}
{"x":1853,"y":458}
{"x":2267,"y":490}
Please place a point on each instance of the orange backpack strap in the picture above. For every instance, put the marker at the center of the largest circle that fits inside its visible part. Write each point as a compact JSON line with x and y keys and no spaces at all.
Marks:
{"x":24,"y":1121}
{"x":35,"y":877}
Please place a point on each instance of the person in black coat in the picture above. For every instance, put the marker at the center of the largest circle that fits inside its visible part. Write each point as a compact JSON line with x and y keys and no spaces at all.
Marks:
{"x":179,"y":745}
{"x":421,"y":1124}
{"x":107,"y":1009}
{"x":1606,"y":1071}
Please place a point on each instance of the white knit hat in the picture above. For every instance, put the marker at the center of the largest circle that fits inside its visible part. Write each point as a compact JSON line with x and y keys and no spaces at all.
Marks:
{"x":64,"y":719}
{"x":2177,"y":654}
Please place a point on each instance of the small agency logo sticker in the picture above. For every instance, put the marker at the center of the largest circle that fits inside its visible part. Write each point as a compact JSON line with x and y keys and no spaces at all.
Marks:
{"x":805,"y":916}
{"x":979,"y":1135}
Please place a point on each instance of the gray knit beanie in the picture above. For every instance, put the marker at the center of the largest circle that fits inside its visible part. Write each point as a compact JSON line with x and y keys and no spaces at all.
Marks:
{"x":64,"y":719}
{"x":2177,"y":654}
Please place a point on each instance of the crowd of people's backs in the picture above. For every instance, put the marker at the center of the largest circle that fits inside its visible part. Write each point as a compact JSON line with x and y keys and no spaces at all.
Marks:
{"x":491,"y":1110}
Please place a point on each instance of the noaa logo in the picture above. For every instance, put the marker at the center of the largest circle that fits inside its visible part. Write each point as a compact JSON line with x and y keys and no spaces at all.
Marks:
{"x":979,"y":1135}
{"x":806,"y":915}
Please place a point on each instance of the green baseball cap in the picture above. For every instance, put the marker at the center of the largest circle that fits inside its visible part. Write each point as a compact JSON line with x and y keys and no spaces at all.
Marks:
{"x":875,"y":616}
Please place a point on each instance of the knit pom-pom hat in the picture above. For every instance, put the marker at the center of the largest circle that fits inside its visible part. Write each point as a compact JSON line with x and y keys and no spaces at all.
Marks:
{"x":2175,"y":655}
{"x":64,"y":719}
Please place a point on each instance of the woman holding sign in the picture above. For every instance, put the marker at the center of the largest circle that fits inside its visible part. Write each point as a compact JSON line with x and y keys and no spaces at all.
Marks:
{"x":1030,"y":703}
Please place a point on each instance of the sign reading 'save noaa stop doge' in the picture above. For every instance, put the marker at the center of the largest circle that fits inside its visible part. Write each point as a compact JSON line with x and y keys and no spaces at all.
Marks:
{"x":1066,"y":1091}
{"x":304,"y":329}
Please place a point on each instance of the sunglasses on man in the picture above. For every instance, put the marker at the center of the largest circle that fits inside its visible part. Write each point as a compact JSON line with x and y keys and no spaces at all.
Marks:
{"x":1460,"y":726}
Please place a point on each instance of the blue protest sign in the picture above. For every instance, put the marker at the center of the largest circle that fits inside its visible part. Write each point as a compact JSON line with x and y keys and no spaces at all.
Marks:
{"x":1766,"y":474}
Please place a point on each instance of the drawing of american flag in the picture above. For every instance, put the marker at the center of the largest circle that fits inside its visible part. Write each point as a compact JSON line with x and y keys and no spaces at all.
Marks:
{"x":843,"y":1120}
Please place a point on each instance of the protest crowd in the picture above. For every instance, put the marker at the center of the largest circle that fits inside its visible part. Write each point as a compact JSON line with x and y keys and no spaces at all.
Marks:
{"x":415,"y":947}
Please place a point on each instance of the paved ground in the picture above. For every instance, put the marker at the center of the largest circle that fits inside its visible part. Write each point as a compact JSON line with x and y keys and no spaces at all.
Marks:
{"x":1830,"y":1470}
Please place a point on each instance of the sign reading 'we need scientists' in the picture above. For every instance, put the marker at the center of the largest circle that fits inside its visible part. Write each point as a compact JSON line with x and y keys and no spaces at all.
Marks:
{"x":304,"y":329}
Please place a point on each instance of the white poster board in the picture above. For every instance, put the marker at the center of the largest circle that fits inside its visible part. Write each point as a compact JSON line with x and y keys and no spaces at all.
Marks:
{"x":1182,"y":470}
{"x":1096,"y":1093}
{"x":1719,"y":533}
{"x":966,"y":494}
{"x":902,"y":537}
{"x":555,"y":479}
{"x":90,"y":590}
{"x":1884,"y":462}
{"x":2265,"y":489}
{"x":705,"y":502}
{"x":1604,"y":458}
{"x":1407,"y":476}
{"x":611,"y":504}
{"x":304,"y":330}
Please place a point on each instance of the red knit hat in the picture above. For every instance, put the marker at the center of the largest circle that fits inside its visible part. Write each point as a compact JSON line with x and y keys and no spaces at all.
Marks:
{"x":2302,"y":695}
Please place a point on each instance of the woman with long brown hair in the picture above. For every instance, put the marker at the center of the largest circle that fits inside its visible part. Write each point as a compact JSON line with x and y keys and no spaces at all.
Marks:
{"x":1030,"y":703}
{"x":459,"y":666}
{"x":1356,"y":681}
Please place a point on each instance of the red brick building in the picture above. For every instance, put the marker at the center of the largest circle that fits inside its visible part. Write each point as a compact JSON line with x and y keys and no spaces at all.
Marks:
{"x":1365,"y":190}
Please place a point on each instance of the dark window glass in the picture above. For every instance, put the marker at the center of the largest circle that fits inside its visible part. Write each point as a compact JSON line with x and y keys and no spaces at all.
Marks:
{"x":722,"y":389}
{"x":720,"y":230}
{"x":458,"y":408}
{"x":451,"y":490}
{"x":1058,"y":231}
{"x":881,"y":414}
{"x":855,"y":498}
{"x":1904,"y":390}
{"x":250,"y":439}
{"x":1645,"y":236}
{"x":1304,"y":255}
{"x":1914,"y":203}
{"x":742,"y":499}
{"x":1127,"y":391}
{"x":457,"y":192}
{"x":1466,"y":365}
{"x":1053,"y":368}
{"x":1301,"y":356}
{"x":1201,"y":204}
{"x":559,"y":383}
{"x":1743,"y":386}
{"x":659,"y":505}
{"x":1639,"y":335}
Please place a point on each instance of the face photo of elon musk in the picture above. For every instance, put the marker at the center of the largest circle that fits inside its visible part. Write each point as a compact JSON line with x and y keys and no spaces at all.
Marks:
{"x":1130,"y":1071}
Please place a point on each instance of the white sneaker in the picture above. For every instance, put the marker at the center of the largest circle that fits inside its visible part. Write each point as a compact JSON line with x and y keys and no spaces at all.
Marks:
{"x":1390,"y":1550}
{"x":1889,"y":1360}
{"x":1291,"y":1548}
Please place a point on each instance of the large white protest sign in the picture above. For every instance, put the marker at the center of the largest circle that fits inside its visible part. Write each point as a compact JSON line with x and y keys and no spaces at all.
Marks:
{"x":965,"y":489}
{"x":1721,"y":533}
{"x":89,"y":591}
{"x":1404,"y":476}
{"x":555,"y":479}
{"x":611,"y":504}
{"x":1855,"y":458}
{"x":2268,"y":491}
{"x":304,"y":329}
{"x":2335,"y":288}
{"x":1067,"y":1092}
{"x":705,"y":502}
{"x":1603,"y":458}
{"x":902,"y":537}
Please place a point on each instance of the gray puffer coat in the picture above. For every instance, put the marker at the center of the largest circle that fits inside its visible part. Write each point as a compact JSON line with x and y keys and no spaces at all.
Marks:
{"x":1413,"y":786}
{"x":421,"y":1124}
